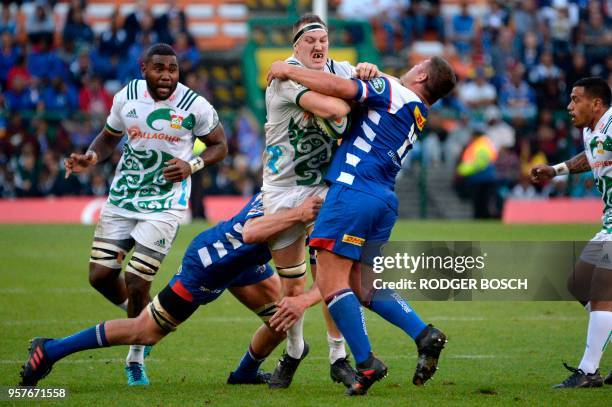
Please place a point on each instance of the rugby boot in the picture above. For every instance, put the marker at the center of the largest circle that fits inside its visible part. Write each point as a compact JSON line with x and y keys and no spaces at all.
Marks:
{"x":341,"y":371}
{"x":429,"y":343}
{"x":608,"y":379}
{"x":579,"y":379}
{"x":374,"y":370}
{"x":260,"y":378}
{"x":38,"y":364}
{"x":136,"y":374}
{"x":285,"y":369}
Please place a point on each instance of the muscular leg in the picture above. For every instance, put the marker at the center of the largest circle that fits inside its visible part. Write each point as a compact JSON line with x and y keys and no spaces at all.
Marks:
{"x":139,"y":274}
{"x":105,"y":269}
{"x":290,"y":265}
{"x":600,"y":319}
{"x":579,"y":282}
{"x":260,"y":298}
{"x":344,"y":306}
{"x":335,"y":340}
{"x":142,"y":330}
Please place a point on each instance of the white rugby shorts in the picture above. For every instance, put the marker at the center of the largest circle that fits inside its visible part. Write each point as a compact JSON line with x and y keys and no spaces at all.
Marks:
{"x":156,"y":233}
{"x":276,"y":199}
{"x":598,"y":251}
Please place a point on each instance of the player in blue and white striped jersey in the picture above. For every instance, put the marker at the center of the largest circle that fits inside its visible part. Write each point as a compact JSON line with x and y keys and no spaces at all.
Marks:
{"x":361,"y":206}
{"x":232,"y":255}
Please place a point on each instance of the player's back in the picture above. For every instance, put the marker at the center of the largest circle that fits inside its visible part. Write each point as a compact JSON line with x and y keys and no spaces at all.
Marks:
{"x":223,"y":244}
{"x":370,"y":157}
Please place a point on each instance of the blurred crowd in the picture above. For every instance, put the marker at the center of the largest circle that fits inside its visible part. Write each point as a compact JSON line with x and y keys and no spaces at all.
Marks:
{"x":57,"y":86}
{"x":517,"y":61}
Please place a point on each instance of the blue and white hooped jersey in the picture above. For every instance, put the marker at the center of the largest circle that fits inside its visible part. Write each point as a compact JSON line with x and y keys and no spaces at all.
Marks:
{"x":222,"y":245}
{"x":370,"y":157}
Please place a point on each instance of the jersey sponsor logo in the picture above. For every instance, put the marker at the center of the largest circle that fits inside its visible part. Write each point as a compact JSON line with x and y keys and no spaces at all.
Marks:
{"x":596,"y":145}
{"x":169,"y":115}
{"x":378,"y":84}
{"x":602,"y":164}
{"x":354,"y":240}
{"x":160,"y":243}
{"x":132,"y":114}
{"x":419,"y":119}
{"x":135,"y":133}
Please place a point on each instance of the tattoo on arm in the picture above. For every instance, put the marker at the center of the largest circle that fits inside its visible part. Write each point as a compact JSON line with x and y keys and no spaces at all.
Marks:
{"x":578,"y":163}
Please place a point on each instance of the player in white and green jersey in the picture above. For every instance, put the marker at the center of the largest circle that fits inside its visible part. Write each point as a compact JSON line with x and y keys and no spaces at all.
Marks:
{"x":591,"y":281}
{"x":296,"y":159}
{"x":150,"y":191}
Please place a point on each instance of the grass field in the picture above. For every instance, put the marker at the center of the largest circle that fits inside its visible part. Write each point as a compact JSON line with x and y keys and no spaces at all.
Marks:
{"x":498,"y":352}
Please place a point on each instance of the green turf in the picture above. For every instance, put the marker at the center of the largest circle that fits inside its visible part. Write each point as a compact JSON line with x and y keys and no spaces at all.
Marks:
{"x":498,"y":353}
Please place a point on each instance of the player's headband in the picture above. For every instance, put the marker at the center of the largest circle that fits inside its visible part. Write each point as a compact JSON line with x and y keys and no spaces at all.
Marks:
{"x":308,"y":28}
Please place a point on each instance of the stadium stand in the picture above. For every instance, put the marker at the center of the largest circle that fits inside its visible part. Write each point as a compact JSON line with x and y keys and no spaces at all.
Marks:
{"x":61,"y":62}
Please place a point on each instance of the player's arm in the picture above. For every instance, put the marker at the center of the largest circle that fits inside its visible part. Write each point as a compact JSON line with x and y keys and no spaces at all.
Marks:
{"x":263,"y":228}
{"x":327,"y":107}
{"x":290,"y":309}
{"x":318,"y":81}
{"x":575,"y":165}
{"x":177,"y":170}
{"x":100,"y":149}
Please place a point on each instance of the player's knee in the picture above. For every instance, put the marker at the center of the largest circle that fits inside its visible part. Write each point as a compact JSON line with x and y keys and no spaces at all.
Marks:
{"x":292,"y":272}
{"x":146,"y":331}
{"x":99,"y":275}
{"x":107,"y":255}
{"x":142,"y":266}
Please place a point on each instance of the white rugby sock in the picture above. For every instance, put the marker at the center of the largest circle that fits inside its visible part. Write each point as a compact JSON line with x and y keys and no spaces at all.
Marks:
{"x":295,"y":339}
{"x":598,"y":335}
{"x":336,"y":348}
{"x":135,"y":355}
{"x":123,"y":305}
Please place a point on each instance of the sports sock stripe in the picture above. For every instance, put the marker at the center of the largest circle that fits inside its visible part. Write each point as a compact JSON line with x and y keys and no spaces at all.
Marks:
{"x":338,"y":295}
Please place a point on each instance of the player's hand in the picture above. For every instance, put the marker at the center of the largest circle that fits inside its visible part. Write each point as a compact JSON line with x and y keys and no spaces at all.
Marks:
{"x":290,"y":309}
{"x":79,"y":162}
{"x":279,"y":70}
{"x":542,"y":173}
{"x":309,"y":209}
{"x":176,"y":170}
{"x":366,"y":71}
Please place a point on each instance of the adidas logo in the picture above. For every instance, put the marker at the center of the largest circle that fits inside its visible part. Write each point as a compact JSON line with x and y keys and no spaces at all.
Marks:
{"x":132,"y":114}
{"x":160,"y":243}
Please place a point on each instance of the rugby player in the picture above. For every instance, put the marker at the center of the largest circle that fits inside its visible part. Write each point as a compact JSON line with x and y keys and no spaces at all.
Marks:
{"x":150,"y":191}
{"x":232,"y":255}
{"x":296,"y":158}
{"x":591,"y":280}
{"x":361,"y":206}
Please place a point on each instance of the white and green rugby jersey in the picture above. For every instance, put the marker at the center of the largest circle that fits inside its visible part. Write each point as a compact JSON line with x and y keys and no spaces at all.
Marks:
{"x":157,"y":131}
{"x":297,"y":151}
{"x":598,"y":148}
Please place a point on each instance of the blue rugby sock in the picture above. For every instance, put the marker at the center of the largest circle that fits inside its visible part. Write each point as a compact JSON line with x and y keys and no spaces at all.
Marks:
{"x":345,"y":309}
{"x":90,"y":338}
{"x":249,"y":365}
{"x":393,"y":308}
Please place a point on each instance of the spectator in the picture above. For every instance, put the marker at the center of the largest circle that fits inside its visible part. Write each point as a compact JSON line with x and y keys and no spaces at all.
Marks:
{"x":517,"y":98}
{"x":19,"y":98}
{"x":584,"y":187}
{"x":114,"y":41}
{"x":59,"y":97}
{"x":502,"y":135}
{"x":94,"y":99}
{"x":77,"y":30}
{"x":524,"y":189}
{"x":597,"y":38}
{"x":39,"y":25}
{"x":463,"y":30}
{"x":525,"y":17}
{"x":26,"y":169}
{"x":478,"y":93}
{"x":9,"y":55}
{"x":8,"y":21}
